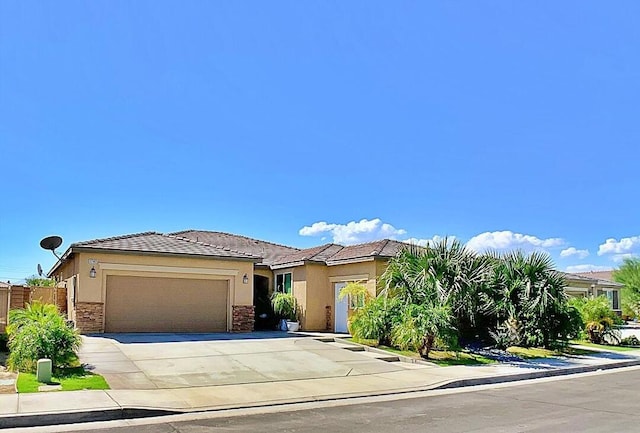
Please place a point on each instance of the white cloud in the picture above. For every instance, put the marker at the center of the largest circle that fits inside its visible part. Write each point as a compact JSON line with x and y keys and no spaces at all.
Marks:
{"x":587,"y":268}
{"x":425,"y":242}
{"x":506,"y":240}
{"x":572,"y":251}
{"x":620,"y":257}
{"x":625,"y":245}
{"x":353,"y":232}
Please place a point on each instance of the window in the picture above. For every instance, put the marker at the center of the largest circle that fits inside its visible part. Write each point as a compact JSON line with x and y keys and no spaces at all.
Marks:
{"x":356,"y":301}
{"x":613,"y":297}
{"x":283,"y":282}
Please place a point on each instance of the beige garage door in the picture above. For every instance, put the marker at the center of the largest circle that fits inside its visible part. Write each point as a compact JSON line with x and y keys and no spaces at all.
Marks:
{"x":142,"y":304}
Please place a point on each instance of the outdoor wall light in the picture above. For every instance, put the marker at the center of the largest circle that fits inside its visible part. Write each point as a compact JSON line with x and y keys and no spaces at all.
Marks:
{"x":245,"y":279}
{"x":92,"y":272}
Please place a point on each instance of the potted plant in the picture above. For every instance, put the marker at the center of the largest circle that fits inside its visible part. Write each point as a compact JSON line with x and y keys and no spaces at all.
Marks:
{"x":286,"y":308}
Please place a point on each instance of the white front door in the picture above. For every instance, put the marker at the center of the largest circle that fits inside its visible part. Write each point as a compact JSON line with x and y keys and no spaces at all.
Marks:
{"x":341,"y":309}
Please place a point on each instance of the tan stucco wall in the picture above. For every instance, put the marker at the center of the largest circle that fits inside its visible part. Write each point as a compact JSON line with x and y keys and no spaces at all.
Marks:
{"x":94,"y":289}
{"x":318,"y":297}
{"x":64,"y":277}
{"x":365,"y":272}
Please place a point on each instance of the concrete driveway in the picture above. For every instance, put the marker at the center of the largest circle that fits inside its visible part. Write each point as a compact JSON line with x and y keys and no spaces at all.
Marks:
{"x":166,"y":361}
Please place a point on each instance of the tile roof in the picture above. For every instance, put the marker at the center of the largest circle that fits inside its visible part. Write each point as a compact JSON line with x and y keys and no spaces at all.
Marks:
{"x":593,"y":278}
{"x":315,"y":254}
{"x":577,"y":277}
{"x":153,"y":242}
{"x":382,"y":248}
{"x":598,"y":275}
{"x":269,"y":251}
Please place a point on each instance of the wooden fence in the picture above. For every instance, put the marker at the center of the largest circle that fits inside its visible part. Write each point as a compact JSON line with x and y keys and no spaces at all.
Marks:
{"x":4,"y":307}
{"x":17,"y":297}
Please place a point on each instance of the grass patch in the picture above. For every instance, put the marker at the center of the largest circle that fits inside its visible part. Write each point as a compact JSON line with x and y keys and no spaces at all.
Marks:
{"x":451,"y":357}
{"x":606,"y":346}
{"x":439,"y":357}
{"x":539,"y":352}
{"x":71,"y":379}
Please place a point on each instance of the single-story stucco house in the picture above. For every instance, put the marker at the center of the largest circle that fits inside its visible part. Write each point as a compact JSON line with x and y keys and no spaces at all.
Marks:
{"x":203,"y":281}
{"x":206,"y":281}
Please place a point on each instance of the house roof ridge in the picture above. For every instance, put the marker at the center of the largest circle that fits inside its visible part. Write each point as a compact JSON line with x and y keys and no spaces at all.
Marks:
{"x":236,"y":235}
{"x":114,"y":238}
{"x":219,"y":247}
{"x":323,"y":248}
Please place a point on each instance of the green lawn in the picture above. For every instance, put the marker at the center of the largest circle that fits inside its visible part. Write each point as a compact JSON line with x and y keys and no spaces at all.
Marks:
{"x":605,"y":346}
{"x":71,"y":379}
{"x":539,"y":352}
{"x":438,"y":357}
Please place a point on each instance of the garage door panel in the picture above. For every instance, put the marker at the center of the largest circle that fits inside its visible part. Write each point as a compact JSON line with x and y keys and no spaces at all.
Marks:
{"x":148,"y":304}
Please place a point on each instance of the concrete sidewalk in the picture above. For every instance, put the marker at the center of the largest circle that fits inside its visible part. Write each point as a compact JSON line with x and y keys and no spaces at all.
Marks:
{"x":21,"y":410}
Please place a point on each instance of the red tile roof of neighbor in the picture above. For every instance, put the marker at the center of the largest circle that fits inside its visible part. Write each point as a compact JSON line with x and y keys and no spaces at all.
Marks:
{"x":598,"y":275}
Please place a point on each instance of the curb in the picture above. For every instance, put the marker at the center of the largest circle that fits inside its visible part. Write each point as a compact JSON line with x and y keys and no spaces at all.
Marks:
{"x":536,"y":374}
{"x":56,"y":418}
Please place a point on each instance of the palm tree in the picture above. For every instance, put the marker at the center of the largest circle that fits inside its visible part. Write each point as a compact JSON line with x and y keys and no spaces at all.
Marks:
{"x":438,"y":285}
{"x":526,"y":290}
{"x":629,"y":275}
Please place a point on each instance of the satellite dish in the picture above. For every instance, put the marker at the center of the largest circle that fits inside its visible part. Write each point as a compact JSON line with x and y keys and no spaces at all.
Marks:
{"x":51,"y":243}
{"x":39,"y":270}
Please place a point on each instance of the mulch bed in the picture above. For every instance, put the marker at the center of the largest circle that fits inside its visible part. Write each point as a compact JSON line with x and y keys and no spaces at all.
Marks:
{"x":7,"y":378}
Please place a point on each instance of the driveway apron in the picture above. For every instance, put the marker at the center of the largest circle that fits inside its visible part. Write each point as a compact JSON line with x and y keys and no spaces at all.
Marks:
{"x":170,"y":361}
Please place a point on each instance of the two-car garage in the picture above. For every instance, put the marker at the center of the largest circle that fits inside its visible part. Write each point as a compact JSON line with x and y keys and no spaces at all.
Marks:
{"x":149,"y":304}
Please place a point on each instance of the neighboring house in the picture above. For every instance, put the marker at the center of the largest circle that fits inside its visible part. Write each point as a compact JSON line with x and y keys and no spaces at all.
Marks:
{"x":592,"y":284}
{"x":202,"y":281}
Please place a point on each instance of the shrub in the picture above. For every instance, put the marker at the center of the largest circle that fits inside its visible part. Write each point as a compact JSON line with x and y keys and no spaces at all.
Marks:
{"x":508,"y":334}
{"x":39,"y":331}
{"x":630,"y":341}
{"x":285,"y":306}
{"x":420,"y":326}
{"x":375,"y":320}
{"x":598,"y":319}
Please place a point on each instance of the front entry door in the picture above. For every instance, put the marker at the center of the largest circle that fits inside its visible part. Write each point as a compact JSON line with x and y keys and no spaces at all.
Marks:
{"x":341,"y":309}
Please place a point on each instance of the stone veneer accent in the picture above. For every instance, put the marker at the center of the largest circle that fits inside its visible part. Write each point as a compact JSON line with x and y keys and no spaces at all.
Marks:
{"x":328,"y":318}
{"x":89,"y":317}
{"x":243,"y":318}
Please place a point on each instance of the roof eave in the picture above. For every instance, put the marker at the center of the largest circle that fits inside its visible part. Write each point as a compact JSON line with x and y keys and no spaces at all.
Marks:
{"x":164,"y":254}
{"x":353,"y":260}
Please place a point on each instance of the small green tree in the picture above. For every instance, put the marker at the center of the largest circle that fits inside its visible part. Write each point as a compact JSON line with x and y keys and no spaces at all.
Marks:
{"x":629,"y":275}
{"x":35,"y":281}
{"x":376,"y":319}
{"x":421,"y":325}
{"x":598,"y":319}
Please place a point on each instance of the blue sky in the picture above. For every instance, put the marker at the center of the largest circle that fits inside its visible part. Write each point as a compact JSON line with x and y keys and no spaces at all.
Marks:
{"x":505,"y":124}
